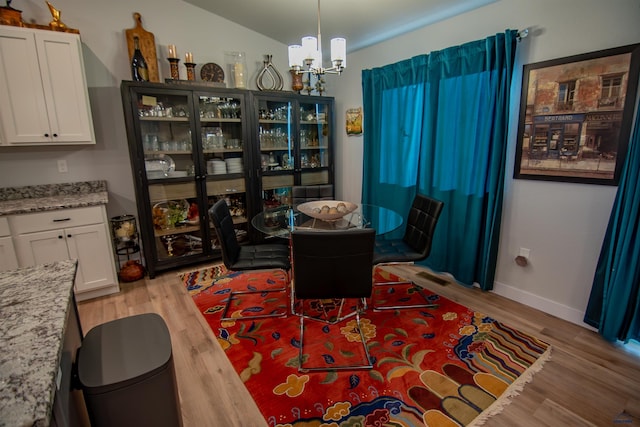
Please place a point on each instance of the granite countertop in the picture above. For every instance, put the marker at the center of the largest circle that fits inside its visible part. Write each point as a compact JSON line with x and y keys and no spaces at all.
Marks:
{"x":34,"y":303}
{"x":37,"y":198}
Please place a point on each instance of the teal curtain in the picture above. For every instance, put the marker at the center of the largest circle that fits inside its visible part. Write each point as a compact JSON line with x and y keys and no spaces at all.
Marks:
{"x":614,"y":304}
{"x":436,"y":124}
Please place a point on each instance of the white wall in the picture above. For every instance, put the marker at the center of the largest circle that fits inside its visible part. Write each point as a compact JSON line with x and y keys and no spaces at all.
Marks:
{"x":102,"y":25}
{"x":562,"y":224}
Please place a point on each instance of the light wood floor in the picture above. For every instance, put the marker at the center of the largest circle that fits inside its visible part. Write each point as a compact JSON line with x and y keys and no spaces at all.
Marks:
{"x":587,"y":381}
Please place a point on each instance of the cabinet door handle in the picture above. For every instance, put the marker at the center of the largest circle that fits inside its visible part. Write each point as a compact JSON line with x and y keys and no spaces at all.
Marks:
{"x":55,"y":135}
{"x":60,"y":237}
{"x":62,"y":220}
{"x":69,"y":235}
{"x":46,"y":135}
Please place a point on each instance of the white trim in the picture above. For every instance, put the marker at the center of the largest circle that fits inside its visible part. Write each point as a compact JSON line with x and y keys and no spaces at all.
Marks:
{"x":551,"y":307}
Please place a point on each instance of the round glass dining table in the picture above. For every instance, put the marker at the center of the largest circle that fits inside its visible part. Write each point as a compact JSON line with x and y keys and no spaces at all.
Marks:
{"x":281,"y":220}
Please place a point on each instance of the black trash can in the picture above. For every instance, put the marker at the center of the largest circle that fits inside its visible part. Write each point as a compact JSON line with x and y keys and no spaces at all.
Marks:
{"x":125,"y":368}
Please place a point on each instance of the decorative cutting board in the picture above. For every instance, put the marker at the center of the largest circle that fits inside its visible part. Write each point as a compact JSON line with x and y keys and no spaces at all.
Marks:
{"x":147,"y":46}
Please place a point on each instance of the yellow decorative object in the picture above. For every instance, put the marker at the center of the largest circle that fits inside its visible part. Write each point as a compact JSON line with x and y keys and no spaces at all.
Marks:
{"x":55,"y":13}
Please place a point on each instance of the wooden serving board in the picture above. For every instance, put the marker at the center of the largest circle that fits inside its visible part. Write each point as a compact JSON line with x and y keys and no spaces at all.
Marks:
{"x":147,"y":46}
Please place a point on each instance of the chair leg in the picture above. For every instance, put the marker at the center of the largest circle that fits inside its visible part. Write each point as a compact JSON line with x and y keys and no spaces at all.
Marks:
{"x":302,"y":368}
{"x":232,"y":296}
{"x":339,"y":318}
{"x":418,"y":289}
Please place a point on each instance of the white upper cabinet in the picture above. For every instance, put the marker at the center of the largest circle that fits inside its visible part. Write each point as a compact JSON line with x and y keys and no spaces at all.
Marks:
{"x":45,"y":99}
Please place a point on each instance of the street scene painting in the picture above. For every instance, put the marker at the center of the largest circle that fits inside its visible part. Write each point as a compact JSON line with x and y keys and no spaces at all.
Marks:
{"x":576,"y":115}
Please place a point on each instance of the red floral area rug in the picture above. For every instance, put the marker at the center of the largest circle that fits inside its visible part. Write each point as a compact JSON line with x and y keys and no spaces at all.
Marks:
{"x":443,"y":366}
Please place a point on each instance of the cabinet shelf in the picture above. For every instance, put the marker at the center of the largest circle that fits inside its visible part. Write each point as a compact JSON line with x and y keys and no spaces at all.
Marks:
{"x":177,"y":230}
{"x":189,"y":153}
{"x":313,"y":122}
{"x":311,"y":168}
{"x":222,"y":150}
{"x":316,"y":147}
{"x":223,"y":176}
{"x":163,"y":119}
{"x":267,"y":149}
{"x":172,"y":152}
{"x":208,"y":120}
{"x":170,"y":179}
{"x":270,"y":121}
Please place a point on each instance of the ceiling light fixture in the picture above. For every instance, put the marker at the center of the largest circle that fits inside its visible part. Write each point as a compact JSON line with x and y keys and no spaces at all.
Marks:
{"x":306,"y":58}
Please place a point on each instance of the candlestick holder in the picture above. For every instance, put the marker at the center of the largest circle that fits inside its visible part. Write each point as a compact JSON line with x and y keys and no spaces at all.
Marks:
{"x":296,"y":81}
{"x":173,"y":62}
{"x":191,"y":75}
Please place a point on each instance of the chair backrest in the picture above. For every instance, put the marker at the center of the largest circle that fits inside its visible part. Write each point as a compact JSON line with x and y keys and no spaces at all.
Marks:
{"x":310,"y":193}
{"x":332,"y":264}
{"x":421,"y":223}
{"x":223,"y":223}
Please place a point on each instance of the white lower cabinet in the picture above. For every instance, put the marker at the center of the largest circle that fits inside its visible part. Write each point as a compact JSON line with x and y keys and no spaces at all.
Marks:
{"x":8,"y":259}
{"x":81,"y":234}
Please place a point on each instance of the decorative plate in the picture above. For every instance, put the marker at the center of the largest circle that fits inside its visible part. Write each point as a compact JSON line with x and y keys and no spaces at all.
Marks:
{"x":212,"y":72}
{"x":159,"y":165}
{"x":327,"y":210}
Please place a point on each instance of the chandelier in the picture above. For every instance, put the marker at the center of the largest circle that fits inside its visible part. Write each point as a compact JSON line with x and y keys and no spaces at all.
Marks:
{"x":306,"y":58}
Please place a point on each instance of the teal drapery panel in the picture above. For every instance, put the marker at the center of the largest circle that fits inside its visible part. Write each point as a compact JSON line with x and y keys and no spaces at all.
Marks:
{"x":614,"y":304}
{"x":437,"y":124}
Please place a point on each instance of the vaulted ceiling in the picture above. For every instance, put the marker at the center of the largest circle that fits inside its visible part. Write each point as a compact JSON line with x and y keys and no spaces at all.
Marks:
{"x":361,"y":22}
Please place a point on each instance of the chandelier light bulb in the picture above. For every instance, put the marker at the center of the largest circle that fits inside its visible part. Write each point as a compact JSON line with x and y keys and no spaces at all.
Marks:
{"x":309,"y":47}
{"x":296,"y":56}
{"x":339,"y":51}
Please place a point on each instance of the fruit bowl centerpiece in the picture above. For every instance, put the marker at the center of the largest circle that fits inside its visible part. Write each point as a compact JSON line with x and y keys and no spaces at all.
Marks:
{"x":327,"y":210}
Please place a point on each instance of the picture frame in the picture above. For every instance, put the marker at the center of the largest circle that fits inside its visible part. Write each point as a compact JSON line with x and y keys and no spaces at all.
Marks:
{"x":353,"y":121}
{"x":576,"y":115}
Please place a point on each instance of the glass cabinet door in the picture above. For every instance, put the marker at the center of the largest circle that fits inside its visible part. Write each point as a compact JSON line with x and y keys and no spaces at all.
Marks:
{"x":223,"y":142}
{"x":169,"y":170}
{"x":276,"y":127}
{"x":315,"y":145}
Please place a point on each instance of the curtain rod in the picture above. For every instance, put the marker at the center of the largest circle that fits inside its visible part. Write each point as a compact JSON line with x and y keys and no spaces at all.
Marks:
{"x":522,"y":34}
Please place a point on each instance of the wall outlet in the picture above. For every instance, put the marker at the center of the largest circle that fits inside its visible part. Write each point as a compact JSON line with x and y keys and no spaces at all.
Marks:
{"x":62,"y":166}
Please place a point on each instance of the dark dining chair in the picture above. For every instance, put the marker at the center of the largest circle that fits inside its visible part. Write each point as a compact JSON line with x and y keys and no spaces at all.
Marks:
{"x":237,"y":257}
{"x":310,"y":193}
{"x":331,"y":265}
{"x":415,"y":245}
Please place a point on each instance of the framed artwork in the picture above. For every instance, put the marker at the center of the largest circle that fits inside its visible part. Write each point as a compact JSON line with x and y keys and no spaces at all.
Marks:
{"x":354,"y":121}
{"x":576,"y":115}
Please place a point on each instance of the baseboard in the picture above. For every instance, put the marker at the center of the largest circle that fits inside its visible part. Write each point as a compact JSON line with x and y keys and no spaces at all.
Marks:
{"x":543,"y":304}
{"x":107,"y":290}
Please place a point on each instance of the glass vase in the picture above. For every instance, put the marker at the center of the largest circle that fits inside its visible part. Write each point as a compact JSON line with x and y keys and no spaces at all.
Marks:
{"x":237,"y":66}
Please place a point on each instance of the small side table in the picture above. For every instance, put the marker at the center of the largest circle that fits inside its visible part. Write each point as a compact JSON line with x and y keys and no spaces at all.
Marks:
{"x":126,"y":243}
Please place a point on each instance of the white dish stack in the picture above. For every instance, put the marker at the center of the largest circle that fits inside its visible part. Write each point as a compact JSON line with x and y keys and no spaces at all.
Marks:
{"x":234,"y":165}
{"x":216,"y":167}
